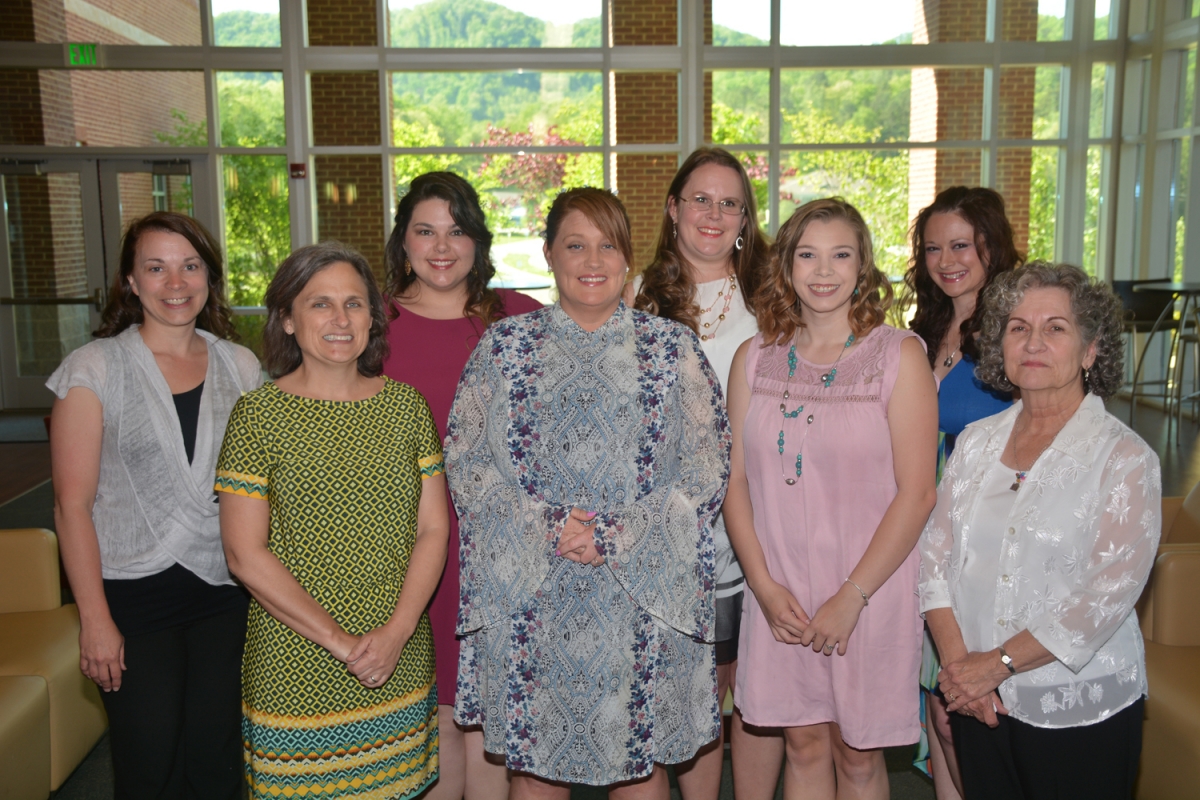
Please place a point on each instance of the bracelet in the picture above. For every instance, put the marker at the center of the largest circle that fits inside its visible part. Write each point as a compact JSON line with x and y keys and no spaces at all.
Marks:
{"x":866,"y":600}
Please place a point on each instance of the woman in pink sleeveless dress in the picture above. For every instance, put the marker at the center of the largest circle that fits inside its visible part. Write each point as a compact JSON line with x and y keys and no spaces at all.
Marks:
{"x":834,"y":418}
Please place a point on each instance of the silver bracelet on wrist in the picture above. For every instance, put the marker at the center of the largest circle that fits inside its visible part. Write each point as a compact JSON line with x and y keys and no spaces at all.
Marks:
{"x":866,"y":600}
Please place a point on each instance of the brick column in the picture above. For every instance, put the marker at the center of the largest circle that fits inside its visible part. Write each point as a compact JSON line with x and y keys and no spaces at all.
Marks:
{"x":948,"y":104}
{"x":646,"y":111}
{"x":345,"y":112}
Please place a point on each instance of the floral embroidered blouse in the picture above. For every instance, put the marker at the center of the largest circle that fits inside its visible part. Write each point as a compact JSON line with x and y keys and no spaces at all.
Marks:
{"x":1067,"y":562}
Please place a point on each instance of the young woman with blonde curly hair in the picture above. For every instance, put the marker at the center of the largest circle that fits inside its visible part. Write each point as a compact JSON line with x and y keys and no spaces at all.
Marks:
{"x":834,"y":419}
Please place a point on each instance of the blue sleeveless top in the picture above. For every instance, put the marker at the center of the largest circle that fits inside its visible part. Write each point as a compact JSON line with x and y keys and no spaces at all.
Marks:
{"x":963,"y":399}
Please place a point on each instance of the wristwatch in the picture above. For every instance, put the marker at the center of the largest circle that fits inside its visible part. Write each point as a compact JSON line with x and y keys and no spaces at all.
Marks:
{"x":1007,"y":661}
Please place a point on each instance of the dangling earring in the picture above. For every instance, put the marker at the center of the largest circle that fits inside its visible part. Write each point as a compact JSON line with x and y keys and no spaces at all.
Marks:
{"x":674,"y":231}
{"x":407,"y":267}
{"x":1086,"y":387}
{"x":737,"y":244}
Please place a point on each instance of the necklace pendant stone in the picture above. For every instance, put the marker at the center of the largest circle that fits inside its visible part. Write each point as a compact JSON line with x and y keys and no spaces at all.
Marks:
{"x":949,"y":361}
{"x":1016,"y":484}
{"x":790,"y":481}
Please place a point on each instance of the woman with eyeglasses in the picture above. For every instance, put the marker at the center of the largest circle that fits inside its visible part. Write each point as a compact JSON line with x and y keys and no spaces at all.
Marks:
{"x":707,"y":267}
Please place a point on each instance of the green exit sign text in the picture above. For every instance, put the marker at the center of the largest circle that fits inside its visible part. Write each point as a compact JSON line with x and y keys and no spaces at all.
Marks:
{"x":81,"y":54}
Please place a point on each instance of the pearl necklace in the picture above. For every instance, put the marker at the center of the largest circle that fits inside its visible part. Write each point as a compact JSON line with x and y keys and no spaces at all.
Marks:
{"x":728,"y":295}
{"x":827,"y":379}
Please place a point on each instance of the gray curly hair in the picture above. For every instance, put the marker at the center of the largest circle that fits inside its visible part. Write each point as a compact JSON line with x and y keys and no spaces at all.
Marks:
{"x":1097,"y":315}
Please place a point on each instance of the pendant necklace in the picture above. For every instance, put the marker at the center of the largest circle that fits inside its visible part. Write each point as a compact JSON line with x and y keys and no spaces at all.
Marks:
{"x":949,"y":362}
{"x":1019,"y":480}
{"x":827,"y":380}
{"x":728,"y":295}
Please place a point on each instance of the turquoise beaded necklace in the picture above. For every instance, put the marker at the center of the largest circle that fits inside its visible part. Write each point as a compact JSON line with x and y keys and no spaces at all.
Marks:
{"x":827,"y":379}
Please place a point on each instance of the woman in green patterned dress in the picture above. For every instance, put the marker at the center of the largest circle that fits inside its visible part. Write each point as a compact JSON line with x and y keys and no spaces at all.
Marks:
{"x":333,"y":514}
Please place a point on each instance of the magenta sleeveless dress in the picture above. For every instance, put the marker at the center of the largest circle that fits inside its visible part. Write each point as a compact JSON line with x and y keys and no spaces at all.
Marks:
{"x":814,"y":533}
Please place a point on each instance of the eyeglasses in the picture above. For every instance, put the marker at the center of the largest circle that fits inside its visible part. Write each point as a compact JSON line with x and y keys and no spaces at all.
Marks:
{"x":727,"y":207}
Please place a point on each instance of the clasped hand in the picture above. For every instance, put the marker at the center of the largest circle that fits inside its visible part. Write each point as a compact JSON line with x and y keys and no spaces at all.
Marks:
{"x":577,"y":541}
{"x":827,"y":631}
{"x":969,"y":686}
{"x":372,"y":657}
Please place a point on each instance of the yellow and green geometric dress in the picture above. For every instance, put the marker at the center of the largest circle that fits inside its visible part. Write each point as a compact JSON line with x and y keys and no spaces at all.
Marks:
{"x":343,"y":480}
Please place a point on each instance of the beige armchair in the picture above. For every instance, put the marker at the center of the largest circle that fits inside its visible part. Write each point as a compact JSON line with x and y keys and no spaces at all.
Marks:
{"x":50,"y":714}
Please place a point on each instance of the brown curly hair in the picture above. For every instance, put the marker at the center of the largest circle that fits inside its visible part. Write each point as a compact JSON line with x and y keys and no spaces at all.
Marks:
{"x":483,"y":303}
{"x":124,"y":308}
{"x":983,"y":210}
{"x":281,"y":354}
{"x":1097,"y":314}
{"x":668,"y":288}
{"x":778,"y":307}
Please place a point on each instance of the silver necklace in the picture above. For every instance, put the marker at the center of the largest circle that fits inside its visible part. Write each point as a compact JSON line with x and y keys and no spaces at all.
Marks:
{"x":949,"y":362}
{"x":827,"y":380}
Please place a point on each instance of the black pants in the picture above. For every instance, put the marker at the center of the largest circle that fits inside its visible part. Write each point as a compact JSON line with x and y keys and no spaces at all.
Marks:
{"x":1018,"y":761}
{"x":175,"y":724}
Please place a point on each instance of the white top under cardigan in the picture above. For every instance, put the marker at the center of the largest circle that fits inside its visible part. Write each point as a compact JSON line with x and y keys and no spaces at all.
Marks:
{"x":154,"y":509}
{"x":1066,"y":559}
{"x":738,"y":326}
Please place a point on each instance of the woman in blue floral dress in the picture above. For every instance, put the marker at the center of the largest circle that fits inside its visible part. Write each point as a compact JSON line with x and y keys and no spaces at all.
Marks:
{"x":588,"y":452}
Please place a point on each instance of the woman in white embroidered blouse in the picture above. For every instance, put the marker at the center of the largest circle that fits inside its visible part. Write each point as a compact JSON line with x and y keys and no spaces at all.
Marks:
{"x":1046,"y":527}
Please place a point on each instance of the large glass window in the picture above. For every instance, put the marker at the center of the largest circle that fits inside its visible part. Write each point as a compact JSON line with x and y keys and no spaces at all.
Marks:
{"x":496,"y":109}
{"x":813,"y":23}
{"x":741,"y":23}
{"x":246,"y":23}
{"x":506,"y":23}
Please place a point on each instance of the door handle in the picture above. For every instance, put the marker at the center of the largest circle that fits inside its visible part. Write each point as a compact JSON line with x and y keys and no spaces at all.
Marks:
{"x":96,"y":301}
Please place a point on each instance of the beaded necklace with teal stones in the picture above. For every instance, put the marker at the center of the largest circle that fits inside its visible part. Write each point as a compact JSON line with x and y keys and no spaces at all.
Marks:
{"x":827,"y":380}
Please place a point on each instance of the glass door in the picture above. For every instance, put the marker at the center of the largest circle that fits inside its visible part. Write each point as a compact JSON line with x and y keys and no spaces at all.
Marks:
{"x":60,"y":243}
{"x":51,"y":271}
{"x":134,"y":187}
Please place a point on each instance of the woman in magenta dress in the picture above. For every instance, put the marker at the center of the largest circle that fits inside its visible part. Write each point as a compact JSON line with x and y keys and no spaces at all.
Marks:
{"x":439,"y":264}
{"x":834,"y":419}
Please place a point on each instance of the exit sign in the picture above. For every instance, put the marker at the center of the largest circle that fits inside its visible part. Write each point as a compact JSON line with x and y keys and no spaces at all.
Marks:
{"x":81,"y":54}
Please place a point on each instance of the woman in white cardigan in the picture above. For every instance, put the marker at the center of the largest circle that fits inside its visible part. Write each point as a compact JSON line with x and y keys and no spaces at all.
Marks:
{"x":1047,"y":523}
{"x":135,"y":433}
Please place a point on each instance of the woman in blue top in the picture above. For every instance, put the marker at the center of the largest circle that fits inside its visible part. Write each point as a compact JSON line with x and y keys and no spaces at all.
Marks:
{"x":961,"y":242}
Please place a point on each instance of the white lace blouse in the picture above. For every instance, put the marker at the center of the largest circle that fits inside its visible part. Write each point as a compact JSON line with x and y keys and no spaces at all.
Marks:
{"x":1066,"y":560}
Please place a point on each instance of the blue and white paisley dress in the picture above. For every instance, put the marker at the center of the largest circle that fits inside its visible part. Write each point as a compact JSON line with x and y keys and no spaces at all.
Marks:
{"x":578,"y":673}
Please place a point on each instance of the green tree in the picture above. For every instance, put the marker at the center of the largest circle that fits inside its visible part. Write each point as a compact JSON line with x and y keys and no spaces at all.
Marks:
{"x":246,"y":29}
{"x":875,"y":182}
{"x":464,"y":23}
{"x":728,"y":37}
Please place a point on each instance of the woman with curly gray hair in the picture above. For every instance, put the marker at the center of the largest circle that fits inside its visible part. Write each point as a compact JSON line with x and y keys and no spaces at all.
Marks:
{"x":1046,"y":526}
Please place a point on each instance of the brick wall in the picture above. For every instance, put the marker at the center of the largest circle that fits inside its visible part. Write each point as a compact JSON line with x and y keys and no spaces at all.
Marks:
{"x":176,"y":22}
{"x":345,"y":108}
{"x":341,"y":23}
{"x":111,"y":107}
{"x":20,"y":107}
{"x":646,"y":111}
{"x":948,"y":104}
{"x":645,"y":22}
{"x":350,"y":204}
{"x":642,"y":181}
{"x":647,"y":107}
